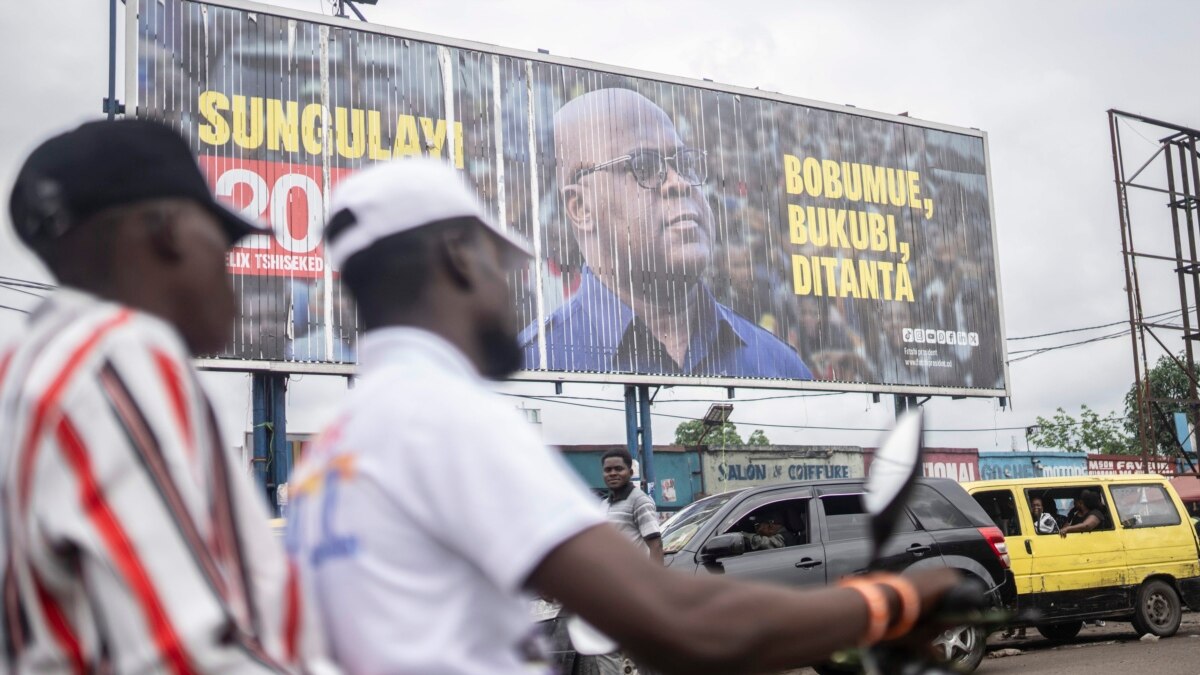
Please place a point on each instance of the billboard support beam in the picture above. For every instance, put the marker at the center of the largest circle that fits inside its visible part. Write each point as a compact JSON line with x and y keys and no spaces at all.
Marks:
{"x":272,"y":458}
{"x":260,"y":454}
{"x":631,"y":420}
{"x":647,"y":439}
{"x":639,"y":439}
{"x":905,"y":402}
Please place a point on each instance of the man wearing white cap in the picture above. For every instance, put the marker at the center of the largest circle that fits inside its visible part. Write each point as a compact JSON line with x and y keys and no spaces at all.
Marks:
{"x":429,"y":508}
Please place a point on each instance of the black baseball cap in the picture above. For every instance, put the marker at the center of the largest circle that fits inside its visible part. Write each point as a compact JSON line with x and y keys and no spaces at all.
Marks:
{"x":99,"y":165}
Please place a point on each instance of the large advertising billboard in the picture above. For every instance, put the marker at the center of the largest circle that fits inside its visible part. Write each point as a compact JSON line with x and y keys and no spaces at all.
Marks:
{"x":686,"y":232}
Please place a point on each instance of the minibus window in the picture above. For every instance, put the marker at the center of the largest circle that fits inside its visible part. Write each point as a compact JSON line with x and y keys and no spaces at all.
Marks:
{"x":1002,"y":509}
{"x":1144,"y":506}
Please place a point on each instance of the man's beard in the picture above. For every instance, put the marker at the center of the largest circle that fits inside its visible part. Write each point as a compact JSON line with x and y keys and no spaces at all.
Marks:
{"x":502,"y":354}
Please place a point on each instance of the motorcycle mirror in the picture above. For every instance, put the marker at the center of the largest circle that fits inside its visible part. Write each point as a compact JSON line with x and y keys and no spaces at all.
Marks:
{"x":586,"y":639}
{"x":893,"y":471}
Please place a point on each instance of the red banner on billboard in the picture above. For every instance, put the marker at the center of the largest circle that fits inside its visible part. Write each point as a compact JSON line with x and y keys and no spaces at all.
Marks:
{"x":287,"y":196}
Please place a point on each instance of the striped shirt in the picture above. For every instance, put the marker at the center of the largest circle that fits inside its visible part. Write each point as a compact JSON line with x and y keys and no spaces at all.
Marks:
{"x":132,"y":541}
{"x":633,"y":513}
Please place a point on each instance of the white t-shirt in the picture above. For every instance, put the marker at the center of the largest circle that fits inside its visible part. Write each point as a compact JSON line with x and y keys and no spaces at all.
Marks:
{"x":419,"y":514}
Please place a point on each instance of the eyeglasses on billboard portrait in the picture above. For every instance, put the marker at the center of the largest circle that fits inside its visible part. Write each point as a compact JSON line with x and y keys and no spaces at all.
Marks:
{"x":649,"y":167}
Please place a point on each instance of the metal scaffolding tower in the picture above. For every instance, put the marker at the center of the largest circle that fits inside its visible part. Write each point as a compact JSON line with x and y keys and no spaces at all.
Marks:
{"x":1167,"y":173}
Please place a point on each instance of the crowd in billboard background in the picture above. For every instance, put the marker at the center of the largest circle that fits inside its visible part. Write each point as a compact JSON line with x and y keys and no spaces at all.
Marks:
{"x":842,"y":339}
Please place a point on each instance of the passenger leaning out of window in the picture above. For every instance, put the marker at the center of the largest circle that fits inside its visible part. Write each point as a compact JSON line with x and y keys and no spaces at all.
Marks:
{"x":1089,"y":514}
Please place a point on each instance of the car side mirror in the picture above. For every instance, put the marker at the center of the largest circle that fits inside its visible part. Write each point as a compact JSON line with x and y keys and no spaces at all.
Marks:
{"x":723,"y":546}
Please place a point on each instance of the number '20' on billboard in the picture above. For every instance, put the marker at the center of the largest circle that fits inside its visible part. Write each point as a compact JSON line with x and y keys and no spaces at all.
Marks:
{"x":686,"y":233}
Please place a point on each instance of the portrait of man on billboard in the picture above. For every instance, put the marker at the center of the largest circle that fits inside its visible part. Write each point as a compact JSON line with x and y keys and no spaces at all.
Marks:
{"x":632,"y":194}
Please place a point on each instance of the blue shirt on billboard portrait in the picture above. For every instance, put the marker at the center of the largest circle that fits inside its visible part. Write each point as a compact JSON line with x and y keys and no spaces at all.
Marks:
{"x":594,"y":331}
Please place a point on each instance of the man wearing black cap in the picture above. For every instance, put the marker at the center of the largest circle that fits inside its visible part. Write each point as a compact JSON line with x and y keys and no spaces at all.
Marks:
{"x":132,"y":540}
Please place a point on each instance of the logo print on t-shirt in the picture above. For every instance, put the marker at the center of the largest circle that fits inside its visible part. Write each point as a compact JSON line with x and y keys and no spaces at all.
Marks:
{"x":321,"y":490}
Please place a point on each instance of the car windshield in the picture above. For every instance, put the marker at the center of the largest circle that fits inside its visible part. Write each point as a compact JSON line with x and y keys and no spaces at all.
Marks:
{"x":680,"y":529}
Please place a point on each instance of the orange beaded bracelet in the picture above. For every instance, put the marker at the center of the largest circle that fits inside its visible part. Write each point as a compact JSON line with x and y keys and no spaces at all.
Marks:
{"x":878,"y":615}
{"x":910,"y":603}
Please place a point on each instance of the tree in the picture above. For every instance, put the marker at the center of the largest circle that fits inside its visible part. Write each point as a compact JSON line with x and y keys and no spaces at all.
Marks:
{"x":727,"y":436}
{"x":758,"y":438}
{"x":1090,"y":433}
{"x":1168,"y":384}
{"x":1168,"y":387}
{"x":689,"y":433}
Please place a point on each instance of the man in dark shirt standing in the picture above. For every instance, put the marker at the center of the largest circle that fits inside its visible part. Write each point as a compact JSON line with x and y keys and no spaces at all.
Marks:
{"x":632,"y":193}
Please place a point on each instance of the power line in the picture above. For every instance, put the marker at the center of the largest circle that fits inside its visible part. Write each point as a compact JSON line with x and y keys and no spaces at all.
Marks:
{"x":558,"y":400}
{"x":1042,"y":350}
{"x":1030,"y":353}
{"x":1105,"y":325}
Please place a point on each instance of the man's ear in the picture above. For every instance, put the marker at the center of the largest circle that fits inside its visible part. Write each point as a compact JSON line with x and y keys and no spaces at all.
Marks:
{"x":162,"y":233}
{"x":578,"y":210}
{"x":457,"y":249}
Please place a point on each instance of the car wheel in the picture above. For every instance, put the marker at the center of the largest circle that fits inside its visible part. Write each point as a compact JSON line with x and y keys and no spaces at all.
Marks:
{"x":1158,"y":610}
{"x":1060,"y":632}
{"x":962,"y":647}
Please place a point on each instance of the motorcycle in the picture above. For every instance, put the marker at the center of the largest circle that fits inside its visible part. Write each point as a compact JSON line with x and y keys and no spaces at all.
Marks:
{"x":969,"y":605}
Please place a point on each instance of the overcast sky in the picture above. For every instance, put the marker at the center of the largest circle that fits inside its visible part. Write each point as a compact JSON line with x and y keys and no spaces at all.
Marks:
{"x":1036,"y":76}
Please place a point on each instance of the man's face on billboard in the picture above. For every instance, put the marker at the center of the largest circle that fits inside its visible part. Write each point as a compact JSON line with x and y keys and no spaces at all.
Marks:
{"x":628,"y":216}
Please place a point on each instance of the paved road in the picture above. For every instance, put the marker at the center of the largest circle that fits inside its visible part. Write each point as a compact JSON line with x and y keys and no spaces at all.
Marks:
{"x":1114,"y":648}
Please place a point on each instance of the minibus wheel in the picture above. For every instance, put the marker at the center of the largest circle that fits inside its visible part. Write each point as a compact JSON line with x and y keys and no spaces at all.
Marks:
{"x":1158,"y":611}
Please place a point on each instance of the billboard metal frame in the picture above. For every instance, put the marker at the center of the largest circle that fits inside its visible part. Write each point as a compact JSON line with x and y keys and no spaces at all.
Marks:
{"x":132,"y":8}
{"x":1179,"y":155}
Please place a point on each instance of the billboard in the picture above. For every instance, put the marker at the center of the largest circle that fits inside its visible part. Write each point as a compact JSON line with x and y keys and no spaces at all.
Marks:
{"x":686,"y":232}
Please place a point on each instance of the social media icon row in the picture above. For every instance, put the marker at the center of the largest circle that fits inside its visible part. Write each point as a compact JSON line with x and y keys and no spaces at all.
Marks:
{"x":940,"y":337}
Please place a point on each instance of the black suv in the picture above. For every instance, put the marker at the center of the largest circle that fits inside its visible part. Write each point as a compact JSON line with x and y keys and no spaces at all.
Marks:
{"x":825,"y":538}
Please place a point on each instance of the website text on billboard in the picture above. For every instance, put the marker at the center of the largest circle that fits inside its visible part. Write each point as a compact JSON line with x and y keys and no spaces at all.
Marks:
{"x":686,"y":232}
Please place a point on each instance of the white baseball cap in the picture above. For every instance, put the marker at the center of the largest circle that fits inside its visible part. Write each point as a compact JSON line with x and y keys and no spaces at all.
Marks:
{"x":399,"y":196}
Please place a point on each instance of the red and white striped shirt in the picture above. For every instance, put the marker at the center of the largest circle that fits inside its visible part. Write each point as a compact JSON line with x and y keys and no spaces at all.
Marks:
{"x":132,"y":540}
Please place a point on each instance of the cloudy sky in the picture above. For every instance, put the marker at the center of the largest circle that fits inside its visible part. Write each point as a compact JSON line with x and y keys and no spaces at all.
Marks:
{"x":1036,"y":76}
